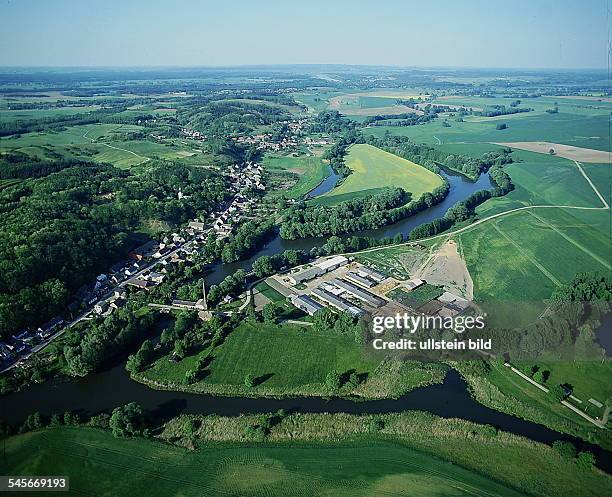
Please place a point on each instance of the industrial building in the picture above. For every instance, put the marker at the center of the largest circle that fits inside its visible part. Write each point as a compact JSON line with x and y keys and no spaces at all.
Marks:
{"x":414,"y":283}
{"x":306,"y":304}
{"x":360,"y":293}
{"x":338,"y":302}
{"x":318,"y":269}
{"x":360,"y":280}
{"x":368,"y":272}
{"x":305,"y":275}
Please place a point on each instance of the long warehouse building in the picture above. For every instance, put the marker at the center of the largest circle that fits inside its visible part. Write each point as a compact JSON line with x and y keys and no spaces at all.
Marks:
{"x":338,"y":302}
{"x":306,"y":304}
{"x":360,"y":293}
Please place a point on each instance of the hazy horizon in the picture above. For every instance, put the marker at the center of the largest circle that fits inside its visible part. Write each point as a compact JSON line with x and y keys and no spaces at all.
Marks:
{"x":475,"y":34}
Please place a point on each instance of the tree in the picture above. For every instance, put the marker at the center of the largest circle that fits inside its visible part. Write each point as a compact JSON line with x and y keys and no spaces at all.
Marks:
{"x":128,"y":421}
{"x":333,"y":380}
{"x":558,"y":393}
{"x":190,"y":427}
{"x":585,"y":460}
{"x":191,"y":376}
{"x":32,"y":422}
{"x":249,"y":381}
{"x":501,"y":126}
{"x":180,"y":349}
{"x":263,"y":266}
{"x":271,"y":313}
{"x":566,"y":449}
{"x":551,"y":151}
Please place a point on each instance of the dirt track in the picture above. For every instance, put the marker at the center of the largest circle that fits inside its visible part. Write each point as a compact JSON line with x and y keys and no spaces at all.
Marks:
{"x":561,"y":150}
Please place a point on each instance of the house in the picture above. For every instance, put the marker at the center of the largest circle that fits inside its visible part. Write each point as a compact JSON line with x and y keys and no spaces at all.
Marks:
{"x":101,"y":278}
{"x":139,"y":283}
{"x":196,"y":225}
{"x":101,"y":307}
{"x":118,"y":267}
{"x":118,"y":302}
{"x":161,"y":252}
{"x":155,"y":277}
{"x":143,"y":251}
{"x":49,"y":327}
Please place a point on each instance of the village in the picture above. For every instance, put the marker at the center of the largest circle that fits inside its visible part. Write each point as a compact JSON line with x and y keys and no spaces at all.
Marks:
{"x":145,"y":268}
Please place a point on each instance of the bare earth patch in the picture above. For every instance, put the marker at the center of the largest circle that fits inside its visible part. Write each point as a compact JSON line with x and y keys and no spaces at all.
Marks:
{"x":566,"y":151}
{"x":447,"y":268}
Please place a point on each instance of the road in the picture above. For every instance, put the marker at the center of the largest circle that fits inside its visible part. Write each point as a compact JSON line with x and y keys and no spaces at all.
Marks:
{"x":500,"y":214}
{"x":103,"y":298}
{"x":146,"y":159}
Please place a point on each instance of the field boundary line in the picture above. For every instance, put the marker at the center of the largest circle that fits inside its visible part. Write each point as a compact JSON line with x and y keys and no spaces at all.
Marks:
{"x":572,"y":241}
{"x":495,"y":216}
{"x":527,"y":256}
{"x":146,"y":159}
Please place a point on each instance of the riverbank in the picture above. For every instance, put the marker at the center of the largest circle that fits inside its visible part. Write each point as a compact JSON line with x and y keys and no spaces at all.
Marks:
{"x":358,"y":456}
{"x":287,"y":361}
{"x":503,"y":391}
{"x":525,"y":465}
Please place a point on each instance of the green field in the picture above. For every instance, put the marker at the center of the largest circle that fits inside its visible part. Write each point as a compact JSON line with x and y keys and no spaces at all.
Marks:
{"x":99,"y":464}
{"x":506,"y":391}
{"x":374,"y":169}
{"x":309,"y":170}
{"x":417,"y":297}
{"x":450,"y":458}
{"x":102,"y":143}
{"x":287,"y":359}
{"x":569,"y":126}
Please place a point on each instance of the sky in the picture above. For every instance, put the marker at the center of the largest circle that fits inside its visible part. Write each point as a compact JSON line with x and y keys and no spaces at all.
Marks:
{"x":434,"y":33}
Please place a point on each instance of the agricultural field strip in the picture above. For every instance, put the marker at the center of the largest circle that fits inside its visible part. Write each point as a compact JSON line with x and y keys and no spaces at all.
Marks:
{"x":146,"y":159}
{"x":424,"y":468}
{"x":500,"y":214}
{"x":525,"y":254}
{"x":572,"y":241}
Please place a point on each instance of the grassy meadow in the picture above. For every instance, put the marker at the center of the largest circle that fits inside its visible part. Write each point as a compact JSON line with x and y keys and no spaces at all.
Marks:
{"x":99,"y":464}
{"x":102,"y":143}
{"x":291,"y":360}
{"x":374,"y":169}
{"x":284,"y":360}
{"x":430,"y":457}
{"x":582,"y":124}
{"x":310,"y":171}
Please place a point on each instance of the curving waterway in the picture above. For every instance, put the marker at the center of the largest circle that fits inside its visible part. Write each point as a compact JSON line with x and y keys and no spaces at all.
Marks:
{"x":113,"y":387}
{"x":460,"y":188}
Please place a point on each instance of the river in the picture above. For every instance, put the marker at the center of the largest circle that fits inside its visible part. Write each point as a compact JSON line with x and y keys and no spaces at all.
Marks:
{"x":460,"y":188}
{"x":113,"y":387}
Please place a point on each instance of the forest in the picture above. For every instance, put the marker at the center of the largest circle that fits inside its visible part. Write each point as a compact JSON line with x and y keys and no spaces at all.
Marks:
{"x":58,"y":231}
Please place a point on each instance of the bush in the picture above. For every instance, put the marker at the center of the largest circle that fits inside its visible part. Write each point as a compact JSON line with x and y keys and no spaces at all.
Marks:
{"x":128,"y":421}
{"x":585,"y":460}
{"x":566,"y":449}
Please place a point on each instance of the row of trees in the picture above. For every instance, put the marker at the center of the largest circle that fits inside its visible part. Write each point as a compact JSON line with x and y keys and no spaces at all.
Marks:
{"x":370,"y":212}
